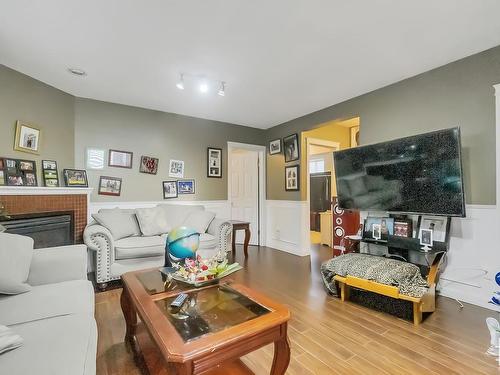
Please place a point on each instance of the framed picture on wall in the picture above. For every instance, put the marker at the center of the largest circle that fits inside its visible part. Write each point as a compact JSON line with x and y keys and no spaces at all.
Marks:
{"x":214,"y":162}
{"x":75,"y":178}
{"x":275,"y":147}
{"x":176,"y":169}
{"x":49,"y":173}
{"x":149,"y":165}
{"x":292,"y":178}
{"x":2,"y":172}
{"x":120,"y":159}
{"x":291,"y":148}
{"x":18,"y":172}
{"x":27,"y":138}
{"x":110,"y":186}
{"x":185,"y":186}
{"x":169,"y":189}
{"x":95,"y":158}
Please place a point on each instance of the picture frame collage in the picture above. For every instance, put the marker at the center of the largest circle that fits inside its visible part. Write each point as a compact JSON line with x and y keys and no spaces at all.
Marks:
{"x":291,"y":151}
{"x":17,"y":172}
{"x":21,"y":172}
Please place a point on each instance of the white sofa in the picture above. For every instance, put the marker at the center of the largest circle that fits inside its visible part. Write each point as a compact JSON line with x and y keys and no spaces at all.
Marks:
{"x":118,"y":251}
{"x":55,"y":318}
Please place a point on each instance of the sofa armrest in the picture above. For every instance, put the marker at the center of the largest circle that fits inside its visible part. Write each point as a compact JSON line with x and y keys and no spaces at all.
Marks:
{"x":223,"y":231}
{"x":100,"y":240}
{"x":57,"y":264}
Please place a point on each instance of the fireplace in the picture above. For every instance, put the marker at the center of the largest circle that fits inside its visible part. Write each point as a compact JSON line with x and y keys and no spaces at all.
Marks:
{"x":48,"y":204}
{"x":48,"y":229}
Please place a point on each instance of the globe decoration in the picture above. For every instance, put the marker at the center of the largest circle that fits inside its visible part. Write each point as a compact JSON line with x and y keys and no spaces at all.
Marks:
{"x":182,"y":243}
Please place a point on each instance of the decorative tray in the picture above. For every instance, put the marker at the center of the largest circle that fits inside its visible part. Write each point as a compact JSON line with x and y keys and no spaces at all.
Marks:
{"x":200,"y":274}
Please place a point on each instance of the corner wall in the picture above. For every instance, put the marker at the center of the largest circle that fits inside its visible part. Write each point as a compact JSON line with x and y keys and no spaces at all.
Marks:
{"x":459,"y":93}
{"x":26,"y":99}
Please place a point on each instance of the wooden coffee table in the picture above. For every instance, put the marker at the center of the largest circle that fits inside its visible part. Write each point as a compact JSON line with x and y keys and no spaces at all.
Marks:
{"x":218,"y":325}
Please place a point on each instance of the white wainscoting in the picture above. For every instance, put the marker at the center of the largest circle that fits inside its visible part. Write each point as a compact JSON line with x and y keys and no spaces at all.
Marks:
{"x":288,"y":226}
{"x":220,"y":207}
{"x":474,"y":257}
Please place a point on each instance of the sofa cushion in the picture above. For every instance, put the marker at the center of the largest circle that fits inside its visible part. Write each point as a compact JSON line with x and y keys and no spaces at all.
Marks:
{"x":207,"y":241}
{"x":47,"y":301}
{"x":177,"y":213}
{"x":121,"y":223}
{"x":140,"y":247}
{"x":15,"y":259}
{"x":153,"y":221}
{"x":199,"y":220}
{"x":62,"y":345}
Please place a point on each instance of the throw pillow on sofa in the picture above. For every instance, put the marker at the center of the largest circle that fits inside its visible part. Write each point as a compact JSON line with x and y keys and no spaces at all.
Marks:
{"x":121,"y":223}
{"x":152,"y":221}
{"x":199,"y":220}
{"x":15,"y":259}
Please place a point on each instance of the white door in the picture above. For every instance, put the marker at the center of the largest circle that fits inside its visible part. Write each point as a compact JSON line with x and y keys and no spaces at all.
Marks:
{"x":245,"y":191}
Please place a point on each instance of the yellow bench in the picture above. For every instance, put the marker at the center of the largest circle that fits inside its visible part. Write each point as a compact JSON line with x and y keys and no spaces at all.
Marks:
{"x":426,"y":303}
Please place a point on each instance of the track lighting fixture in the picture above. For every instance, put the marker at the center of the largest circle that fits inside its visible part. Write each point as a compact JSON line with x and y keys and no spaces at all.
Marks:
{"x":201,"y":82}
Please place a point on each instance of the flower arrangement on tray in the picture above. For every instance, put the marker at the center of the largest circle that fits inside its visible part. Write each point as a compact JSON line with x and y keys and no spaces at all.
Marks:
{"x":201,"y":272}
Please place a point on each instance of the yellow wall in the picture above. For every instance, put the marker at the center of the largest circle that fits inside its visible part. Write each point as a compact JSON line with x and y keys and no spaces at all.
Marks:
{"x":335,"y":131}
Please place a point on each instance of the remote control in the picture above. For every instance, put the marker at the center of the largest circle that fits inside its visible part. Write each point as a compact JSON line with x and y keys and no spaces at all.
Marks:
{"x":177,"y":303}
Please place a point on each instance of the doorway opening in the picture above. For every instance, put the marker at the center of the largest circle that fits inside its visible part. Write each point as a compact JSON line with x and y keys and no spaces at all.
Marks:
{"x":319,"y":145}
{"x":246,"y":189}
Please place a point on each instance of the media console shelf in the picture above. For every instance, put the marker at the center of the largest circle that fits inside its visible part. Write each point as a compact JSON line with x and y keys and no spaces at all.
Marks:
{"x":427,"y":303}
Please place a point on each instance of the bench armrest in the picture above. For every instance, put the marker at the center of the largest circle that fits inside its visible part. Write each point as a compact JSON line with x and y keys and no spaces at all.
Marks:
{"x":100,"y":240}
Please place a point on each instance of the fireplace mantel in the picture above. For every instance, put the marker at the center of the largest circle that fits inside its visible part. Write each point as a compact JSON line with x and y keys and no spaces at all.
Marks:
{"x":38,"y":190}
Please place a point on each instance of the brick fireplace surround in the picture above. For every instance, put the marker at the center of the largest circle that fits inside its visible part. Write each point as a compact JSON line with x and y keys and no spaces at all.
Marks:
{"x":32,"y":200}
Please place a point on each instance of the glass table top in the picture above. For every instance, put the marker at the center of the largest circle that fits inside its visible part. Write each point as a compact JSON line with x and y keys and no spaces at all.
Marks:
{"x":211,"y":310}
{"x":156,"y":282}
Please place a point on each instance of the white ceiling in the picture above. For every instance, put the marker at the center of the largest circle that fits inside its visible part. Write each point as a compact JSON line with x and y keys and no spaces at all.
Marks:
{"x":281,"y":59}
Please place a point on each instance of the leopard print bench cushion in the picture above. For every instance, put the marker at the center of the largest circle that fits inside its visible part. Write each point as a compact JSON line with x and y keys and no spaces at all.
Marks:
{"x":405,"y":276}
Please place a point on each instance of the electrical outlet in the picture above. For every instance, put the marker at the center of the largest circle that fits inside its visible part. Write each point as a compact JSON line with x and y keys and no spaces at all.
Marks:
{"x":277,"y":234}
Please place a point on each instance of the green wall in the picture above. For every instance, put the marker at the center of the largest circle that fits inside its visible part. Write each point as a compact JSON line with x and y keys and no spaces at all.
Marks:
{"x":459,"y":93}
{"x":162,"y":135}
{"x":24,"y":98}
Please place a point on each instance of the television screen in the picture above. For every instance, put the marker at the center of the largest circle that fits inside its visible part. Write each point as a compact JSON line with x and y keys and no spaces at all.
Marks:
{"x":421,"y":174}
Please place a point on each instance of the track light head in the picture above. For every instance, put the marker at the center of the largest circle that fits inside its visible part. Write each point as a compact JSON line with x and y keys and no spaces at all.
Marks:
{"x":222,"y":89}
{"x":203,"y":87}
{"x":180,"y":84}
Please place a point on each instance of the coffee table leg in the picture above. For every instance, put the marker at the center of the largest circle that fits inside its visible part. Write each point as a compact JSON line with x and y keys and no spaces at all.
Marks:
{"x":233,"y":244}
{"x":247,"y":240}
{"x":184,"y":368}
{"x":129,"y":314}
{"x":281,"y":354}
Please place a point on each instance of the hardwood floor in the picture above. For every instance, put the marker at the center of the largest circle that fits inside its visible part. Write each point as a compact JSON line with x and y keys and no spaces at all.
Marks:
{"x":328,"y":336}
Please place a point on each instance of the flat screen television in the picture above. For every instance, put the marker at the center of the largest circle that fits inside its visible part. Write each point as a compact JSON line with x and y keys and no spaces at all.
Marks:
{"x":421,"y":174}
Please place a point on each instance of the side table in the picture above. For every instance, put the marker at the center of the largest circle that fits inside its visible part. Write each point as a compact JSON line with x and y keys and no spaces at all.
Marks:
{"x":241,"y":225}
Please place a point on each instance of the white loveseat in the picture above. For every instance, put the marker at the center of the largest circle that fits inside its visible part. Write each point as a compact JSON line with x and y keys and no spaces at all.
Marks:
{"x":54,"y":314}
{"x":131,"y":239}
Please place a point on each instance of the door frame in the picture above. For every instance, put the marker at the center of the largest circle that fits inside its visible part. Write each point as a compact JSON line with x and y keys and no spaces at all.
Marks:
{"x":261,"y":150}
{"x":316,"y":142}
